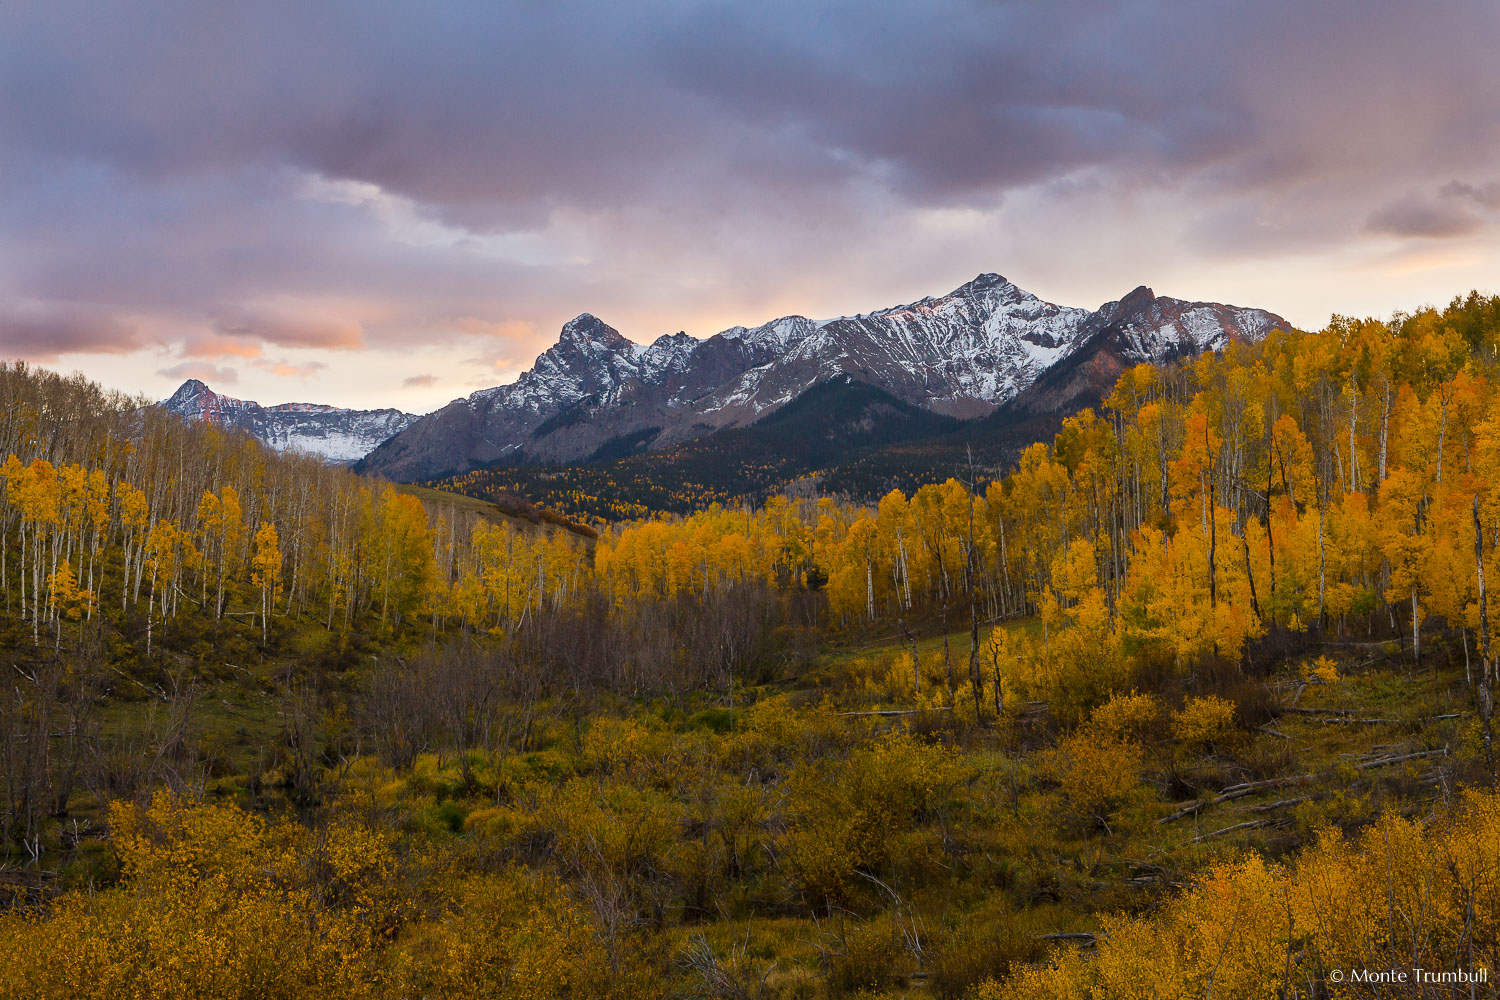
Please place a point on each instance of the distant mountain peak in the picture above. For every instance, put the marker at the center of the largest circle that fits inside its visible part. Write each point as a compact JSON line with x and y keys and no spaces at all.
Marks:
{"x":330,"y":432}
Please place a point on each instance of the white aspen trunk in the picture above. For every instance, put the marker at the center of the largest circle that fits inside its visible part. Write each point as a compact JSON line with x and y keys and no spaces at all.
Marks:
{"x":1442,"y":435}
{"x":1322,"y":561}
{"x":1385,"y":419}
{"x":1353,"y":451}
{"x":1416,"y":632}
{"x":1486,"y":704}
{"x":150,"y":613}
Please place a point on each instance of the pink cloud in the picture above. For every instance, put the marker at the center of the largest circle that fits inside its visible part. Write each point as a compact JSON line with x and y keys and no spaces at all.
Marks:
{"x":297,"y":331}
{"x":286,"y":369}
{"x":219,"y":346}
{"x":202,"y":371}
{"x":507,"y":329}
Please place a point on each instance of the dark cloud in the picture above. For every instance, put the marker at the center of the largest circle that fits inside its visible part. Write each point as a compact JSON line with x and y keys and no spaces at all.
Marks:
{"x":46,"y":333}
{"x":1483,"y":196}
{"x":1425,"y":217}
{"x":1458,"y":209}
{"x":388,"y":176}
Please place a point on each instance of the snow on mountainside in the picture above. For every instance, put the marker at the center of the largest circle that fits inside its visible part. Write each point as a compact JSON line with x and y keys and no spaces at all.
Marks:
{"x":596,"y":393}
{"x":330,"y":432}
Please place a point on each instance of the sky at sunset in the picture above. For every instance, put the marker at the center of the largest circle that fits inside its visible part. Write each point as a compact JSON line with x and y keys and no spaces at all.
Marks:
{"x":387,"y":204}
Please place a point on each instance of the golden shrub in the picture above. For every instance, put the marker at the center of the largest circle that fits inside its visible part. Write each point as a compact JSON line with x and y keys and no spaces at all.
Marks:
{"x":1204,"y":722}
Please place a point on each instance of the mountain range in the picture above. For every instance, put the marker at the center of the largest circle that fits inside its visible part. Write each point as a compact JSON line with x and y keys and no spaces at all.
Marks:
{"x":330,"y":432}
{"x":988,"y":362}
{"x":985,"y":348}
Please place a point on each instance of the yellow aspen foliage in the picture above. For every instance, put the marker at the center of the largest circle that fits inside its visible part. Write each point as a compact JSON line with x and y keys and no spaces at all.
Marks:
{"x":1205,"y":722}
{"x":265,"y":573}
{"x":70,"y":600}
{"x":1325,"y":671}
{"x":514,"y":936}
{"x":1407,"y":895}
{"x":1095,"y":771}
{"x":1131,"y":716}
{"x":217,"y":903}
{"x":862,"y":814}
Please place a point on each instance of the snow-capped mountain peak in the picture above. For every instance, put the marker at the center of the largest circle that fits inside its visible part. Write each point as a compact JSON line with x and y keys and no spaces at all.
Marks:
{"x":587,"y":332}
{"x":330,"y":432}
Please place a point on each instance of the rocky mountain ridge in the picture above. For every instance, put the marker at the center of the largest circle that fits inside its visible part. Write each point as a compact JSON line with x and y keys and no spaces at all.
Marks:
{"x":596,"y":394}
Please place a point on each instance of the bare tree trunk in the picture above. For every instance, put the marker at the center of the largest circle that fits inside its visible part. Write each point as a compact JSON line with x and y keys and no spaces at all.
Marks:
{"x":1486,"y":704}
{"x":975,"y":681}
{"x":1250,"y":576}
{"x":1322,"y":555}
{"x":905,"y":576}
{"x":1353,"y":419}
{"x":1385,"y":419}
{"x":1416,"y":632}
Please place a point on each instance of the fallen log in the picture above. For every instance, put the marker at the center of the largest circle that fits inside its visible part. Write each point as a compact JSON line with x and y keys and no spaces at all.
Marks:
{"x":1230,"y":829}
{"x":1403,"y":757}
{"x":1282,"y":804}
{"x":900,"y":711}
{"x":1083,"y":937}
{"x":1233,"y":792}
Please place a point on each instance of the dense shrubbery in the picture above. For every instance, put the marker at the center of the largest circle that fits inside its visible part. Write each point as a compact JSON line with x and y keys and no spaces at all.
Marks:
{"x":1406,"y":895}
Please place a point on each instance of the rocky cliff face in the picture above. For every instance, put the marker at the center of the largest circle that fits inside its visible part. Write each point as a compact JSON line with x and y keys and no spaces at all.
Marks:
{"x":596,"y":393}
{"x":332,"y":433}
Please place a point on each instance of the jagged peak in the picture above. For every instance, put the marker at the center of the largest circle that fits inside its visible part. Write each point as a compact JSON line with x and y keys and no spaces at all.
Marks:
{"x":586,"y":328}
{"x":195,"y":394}
{"x":987,"y":279}
{"x":191,"y":389}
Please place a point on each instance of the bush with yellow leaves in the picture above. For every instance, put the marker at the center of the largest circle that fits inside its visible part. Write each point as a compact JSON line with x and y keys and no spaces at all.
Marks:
{"x":517,"y":935}
{"x":1408,"y":894}
{"x":866,"y":813}
{"x":638,"y":752}
{"x":1095,"y":772}
{"x":1205,"y":723}
{"x":1130,"y":716}
{"x":1321,"y":671}
{"x":216,"y":903}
